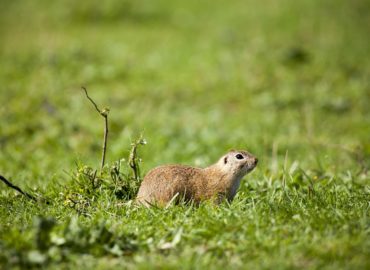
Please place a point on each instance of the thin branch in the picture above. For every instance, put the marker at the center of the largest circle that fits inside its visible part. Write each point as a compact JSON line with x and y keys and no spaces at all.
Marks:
{"x":105,"y":141}
{"x":104,"y":114}
{"x":92,"y":101}
{"x":9,"y":184}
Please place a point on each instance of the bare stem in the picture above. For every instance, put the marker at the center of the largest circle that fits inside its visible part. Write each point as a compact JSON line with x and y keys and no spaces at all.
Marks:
{"x":104,"y":114}
{"x":9,"y":184}
{"x":92,"y":101}
{"x":104,"y":142}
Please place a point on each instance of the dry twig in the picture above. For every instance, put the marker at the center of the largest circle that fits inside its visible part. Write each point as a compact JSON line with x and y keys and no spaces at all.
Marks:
{"x":104,"y":114}
{"x":9,"y":184}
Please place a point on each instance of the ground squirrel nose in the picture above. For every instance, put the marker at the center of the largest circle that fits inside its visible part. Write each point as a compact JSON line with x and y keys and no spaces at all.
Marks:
{"x":255,"y":161}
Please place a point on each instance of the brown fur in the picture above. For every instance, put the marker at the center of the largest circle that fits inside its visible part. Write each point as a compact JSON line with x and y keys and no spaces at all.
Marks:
{"x":218,"y":181}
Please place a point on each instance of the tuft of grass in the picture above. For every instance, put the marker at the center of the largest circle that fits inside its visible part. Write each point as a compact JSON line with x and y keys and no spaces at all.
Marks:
{"x":119,"y":181}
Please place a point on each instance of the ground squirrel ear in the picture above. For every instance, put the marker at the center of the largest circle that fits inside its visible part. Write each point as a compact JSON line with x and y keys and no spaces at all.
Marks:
{"x":225,"y":160}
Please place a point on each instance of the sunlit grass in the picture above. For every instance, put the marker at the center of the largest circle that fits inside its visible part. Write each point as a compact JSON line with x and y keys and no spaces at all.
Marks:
{"x":286,"y":80}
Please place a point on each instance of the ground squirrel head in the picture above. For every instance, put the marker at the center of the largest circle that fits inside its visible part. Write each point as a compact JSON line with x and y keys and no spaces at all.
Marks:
{"x":238,"y":162}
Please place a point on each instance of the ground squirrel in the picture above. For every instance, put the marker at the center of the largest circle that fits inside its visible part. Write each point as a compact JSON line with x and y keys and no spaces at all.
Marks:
{"x":216,"y":182}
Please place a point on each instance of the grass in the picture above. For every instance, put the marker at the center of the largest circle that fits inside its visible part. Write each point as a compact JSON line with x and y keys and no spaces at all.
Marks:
{"x":287,"y":80}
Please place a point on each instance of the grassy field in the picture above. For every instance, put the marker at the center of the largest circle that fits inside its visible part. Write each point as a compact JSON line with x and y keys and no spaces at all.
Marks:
{"x":287,"y":80}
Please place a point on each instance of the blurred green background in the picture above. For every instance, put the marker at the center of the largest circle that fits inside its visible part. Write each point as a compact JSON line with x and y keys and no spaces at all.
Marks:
{"x":195,"y":77}
{"x":287,"y":80}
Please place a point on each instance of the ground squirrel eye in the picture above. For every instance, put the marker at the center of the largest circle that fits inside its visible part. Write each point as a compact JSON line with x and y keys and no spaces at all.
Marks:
{"x":239,"y":156}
